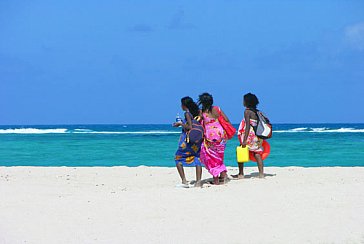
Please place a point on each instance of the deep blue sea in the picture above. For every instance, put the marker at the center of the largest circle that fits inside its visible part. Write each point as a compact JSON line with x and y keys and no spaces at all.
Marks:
{"x":308,"y":145}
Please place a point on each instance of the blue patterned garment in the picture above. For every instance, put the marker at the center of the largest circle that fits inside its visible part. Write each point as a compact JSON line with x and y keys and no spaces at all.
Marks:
{"x":188,"y":154}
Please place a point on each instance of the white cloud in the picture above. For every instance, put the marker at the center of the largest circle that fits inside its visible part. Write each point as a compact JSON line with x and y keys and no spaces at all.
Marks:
{"x":354,"y":35}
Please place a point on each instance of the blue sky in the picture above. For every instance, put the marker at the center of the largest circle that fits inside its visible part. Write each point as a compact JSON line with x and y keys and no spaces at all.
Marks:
{"x":131,"y":61}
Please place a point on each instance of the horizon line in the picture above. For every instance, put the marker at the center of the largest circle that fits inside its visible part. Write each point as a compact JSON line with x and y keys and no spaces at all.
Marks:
{"x":281,"y":123}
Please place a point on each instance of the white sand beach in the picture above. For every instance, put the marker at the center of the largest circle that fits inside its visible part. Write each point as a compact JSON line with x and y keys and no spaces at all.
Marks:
{"x":142,"y":205}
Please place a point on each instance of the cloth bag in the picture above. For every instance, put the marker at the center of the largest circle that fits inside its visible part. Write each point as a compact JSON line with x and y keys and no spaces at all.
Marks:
{"x":229,"y":129}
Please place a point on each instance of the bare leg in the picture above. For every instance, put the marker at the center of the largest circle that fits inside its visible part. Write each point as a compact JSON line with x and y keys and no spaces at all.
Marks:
{"x":260,"y":165}
{"x":216,"y":180}
{"x":198,"y":176}
{"x":181,"y":173}
{"x":223,"y":176}
{"x":241,"y":171}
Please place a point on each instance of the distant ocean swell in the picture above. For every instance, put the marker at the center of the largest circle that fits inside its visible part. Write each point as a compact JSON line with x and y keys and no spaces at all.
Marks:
{"x":161,"y":132}
{"x":308,"y":145}
{"x":78,"y":131}
{"x":321,"y":130}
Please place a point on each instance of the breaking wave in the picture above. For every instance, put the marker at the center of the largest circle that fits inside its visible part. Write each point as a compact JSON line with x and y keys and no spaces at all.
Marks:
{"x":79,"y":131}
{"x":321,"y":130}
{"x":163,"y":132}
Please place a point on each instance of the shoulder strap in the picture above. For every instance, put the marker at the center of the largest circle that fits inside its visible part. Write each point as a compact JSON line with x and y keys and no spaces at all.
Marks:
{"x":218,"y":109}
{"x":256,"y":113}
{"x":196,"y":118}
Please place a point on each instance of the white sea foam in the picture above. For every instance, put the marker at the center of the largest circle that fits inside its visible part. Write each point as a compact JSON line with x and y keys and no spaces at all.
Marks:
{"x":80,"y":131}
{"x":300,"y":129}
{"x":162,"y":132}
{"x":33,"y":131}
{"x":83,"y":130}
{"x":321,"y":130}
{"x":343,"y":130}
{"x":129,"y":132}
{"x":284,"y":131}
{"x":294,"y":130}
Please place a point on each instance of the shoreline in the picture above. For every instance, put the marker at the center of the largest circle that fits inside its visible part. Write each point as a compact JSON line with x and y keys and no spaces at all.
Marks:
{"x":122,"y":204}
{"x":172,"y":167}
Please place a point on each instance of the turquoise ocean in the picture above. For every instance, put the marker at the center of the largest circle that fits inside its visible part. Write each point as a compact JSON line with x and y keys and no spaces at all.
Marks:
{"x":307,"y":145}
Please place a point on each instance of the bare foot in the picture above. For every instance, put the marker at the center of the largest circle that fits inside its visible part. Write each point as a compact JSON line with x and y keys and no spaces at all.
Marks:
{"x":225,"y":180}
{"x":238,"y":177}
{"x":216,"y":180}
{"x":261,"y":176}
{"x":198,"y":183}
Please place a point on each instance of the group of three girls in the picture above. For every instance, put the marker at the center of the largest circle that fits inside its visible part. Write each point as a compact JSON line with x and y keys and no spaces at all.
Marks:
{"x":208,"y":150}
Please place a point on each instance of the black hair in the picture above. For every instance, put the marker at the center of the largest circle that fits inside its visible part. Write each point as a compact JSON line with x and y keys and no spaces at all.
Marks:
{"x":206,"y":101}
{"x":251,"y":101}
{"x":191,"y":105}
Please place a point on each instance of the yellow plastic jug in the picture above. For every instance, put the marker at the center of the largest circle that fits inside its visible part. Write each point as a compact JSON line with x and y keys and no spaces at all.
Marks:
{"x":242,"y":154}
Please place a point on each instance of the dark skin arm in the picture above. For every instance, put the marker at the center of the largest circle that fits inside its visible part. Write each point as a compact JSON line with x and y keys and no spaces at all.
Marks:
{"x":188,"y":125}
{"x":215,"y":113}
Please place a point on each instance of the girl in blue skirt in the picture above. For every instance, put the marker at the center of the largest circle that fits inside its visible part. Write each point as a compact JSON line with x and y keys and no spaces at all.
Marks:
{"x":189,"y":146}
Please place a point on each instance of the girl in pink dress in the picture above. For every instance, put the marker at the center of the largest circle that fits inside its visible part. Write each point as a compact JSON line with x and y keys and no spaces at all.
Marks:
{"x":213,"y":146}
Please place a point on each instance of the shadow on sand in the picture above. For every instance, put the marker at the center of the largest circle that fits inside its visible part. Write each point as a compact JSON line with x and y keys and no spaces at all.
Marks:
{"x":210,"y":181}
{"x":256,"y":175}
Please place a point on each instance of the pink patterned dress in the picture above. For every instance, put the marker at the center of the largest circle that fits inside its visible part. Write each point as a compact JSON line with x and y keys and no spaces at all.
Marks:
{"x":253,"y":142}
{"x":213,"y":147}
